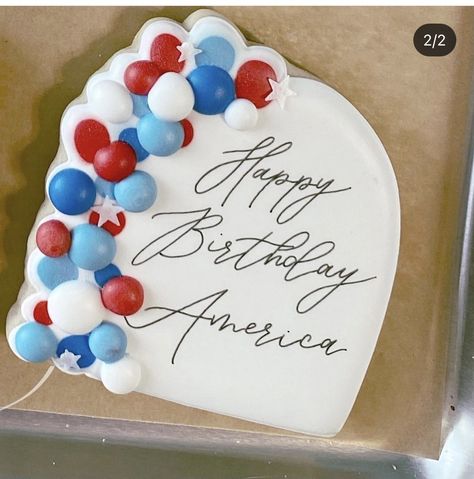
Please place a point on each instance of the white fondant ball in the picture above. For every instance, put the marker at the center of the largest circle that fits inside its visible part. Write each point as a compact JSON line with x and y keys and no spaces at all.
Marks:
{"x":121,"y":377}
{"x":171,"y":97}
{"x":241,"y":114}
{"x":111,"y":101}
{"x":76,"y":307}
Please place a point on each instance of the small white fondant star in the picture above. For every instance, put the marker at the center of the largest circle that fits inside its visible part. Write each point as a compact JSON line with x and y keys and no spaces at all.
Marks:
{"x":187,"y":50}
{"x":108,"y":211}
{"x":280,"y":91}
{"x":68,"y":360}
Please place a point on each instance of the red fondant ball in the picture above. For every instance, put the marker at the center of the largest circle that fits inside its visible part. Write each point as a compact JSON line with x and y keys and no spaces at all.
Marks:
{"x":115,"y":161}
{"x":53,"y":238}
{"x":90,"y":136}
{"x":122,"y":295}
{"x":252,"y":82}
{"x":188,"y":132}
{"x":40,"y":313}
{"x":112,"y":228}
{"x":164,"y":52}
{"x":140,"y":76}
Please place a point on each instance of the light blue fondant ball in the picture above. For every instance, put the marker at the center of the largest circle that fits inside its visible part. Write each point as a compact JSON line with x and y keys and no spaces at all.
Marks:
{"x":160,"y":138}
{"x":108,"y":342}
{"x":213,"y":89}
{"x":92,"y":248}
{"x":216,"y":51}
{"x":137,"y":192}
{"x":105,"y":188}
{"x":130,"y":136}
{"x":54,"y":271}
{"x":72,"y":191}
{"x":140,"y":105}
{"x":35,"y":342}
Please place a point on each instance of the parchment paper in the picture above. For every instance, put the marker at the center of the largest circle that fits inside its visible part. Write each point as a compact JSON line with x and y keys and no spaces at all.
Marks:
{"x":418,"y":106}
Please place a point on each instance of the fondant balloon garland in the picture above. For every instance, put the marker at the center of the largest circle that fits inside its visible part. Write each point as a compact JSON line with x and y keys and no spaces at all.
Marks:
{"x":209,"y":70}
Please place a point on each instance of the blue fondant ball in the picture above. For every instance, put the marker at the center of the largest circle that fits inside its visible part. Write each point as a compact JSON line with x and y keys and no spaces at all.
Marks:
{"x":103,"y":275}
{"x":72,"y":191}
{"x":140,"y":105}
{"x":54,"y":271}
{"x":108,"y":342}
{"x":160,"y":138}
{"x":137,"y":192}
{"x":35,"y":342}
{"x":79,"y":346}
{"x":130,"y":136}
{"x":92,"y":248}
{"x":105,"y":188}
{"x":213,"y":89}
{"x":216,"y":51}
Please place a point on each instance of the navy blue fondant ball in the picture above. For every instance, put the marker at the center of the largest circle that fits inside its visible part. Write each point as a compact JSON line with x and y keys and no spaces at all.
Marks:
{"x":101,"y":276}
{"x":79,"y":346}
{"x":72,"y":191}
{"x":213,"y":89}
{"x":130,"y":136}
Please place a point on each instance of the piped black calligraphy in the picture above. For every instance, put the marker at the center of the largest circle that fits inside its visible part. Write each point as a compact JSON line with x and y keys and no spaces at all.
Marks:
{"x":294,"y":255}
{"x":297,"y":256}
{"x":198,"y":312}
{"x":294,"y":194}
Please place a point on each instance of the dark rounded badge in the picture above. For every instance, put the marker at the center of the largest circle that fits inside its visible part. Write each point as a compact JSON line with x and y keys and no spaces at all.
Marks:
{"x":434,"y":39}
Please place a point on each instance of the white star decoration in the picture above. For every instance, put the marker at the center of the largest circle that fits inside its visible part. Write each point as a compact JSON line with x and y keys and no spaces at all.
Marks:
{"x":187,"y":50}
{"x":68,"y":360}
{"x":280,"y":91}
{"x":108,"y":211}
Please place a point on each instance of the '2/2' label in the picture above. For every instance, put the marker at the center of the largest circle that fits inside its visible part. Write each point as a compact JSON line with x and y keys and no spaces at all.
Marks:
{"x":435,"y":39}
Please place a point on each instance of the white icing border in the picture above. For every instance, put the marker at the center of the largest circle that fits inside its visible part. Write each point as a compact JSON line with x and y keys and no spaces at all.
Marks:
{"x":199,"y":25}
